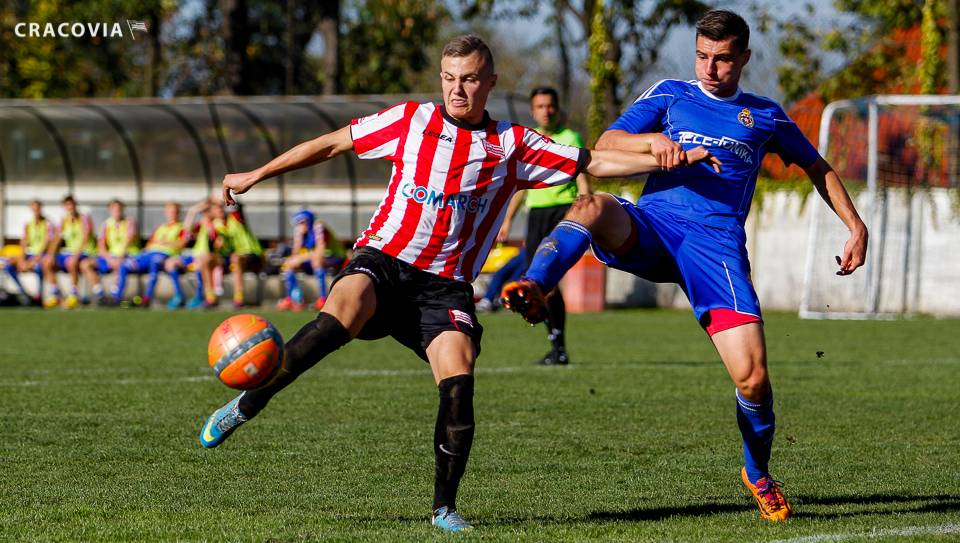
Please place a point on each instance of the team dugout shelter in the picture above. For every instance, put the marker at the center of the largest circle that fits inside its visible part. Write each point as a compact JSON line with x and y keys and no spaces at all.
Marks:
{"x":147,"y":152}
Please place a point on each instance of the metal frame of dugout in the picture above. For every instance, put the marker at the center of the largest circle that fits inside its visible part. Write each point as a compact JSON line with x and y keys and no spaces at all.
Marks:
{"x":147,"y":152}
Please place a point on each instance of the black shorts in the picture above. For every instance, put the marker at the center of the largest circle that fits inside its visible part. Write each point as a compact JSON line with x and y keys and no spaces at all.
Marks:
{"x":540,"y":222}
{"x":413,"y":306}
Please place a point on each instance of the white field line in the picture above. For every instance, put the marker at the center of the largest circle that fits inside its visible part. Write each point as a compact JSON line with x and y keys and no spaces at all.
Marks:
{"x":907,"y":531}
{"x":424,"y":370}
{"x":349,"y":372}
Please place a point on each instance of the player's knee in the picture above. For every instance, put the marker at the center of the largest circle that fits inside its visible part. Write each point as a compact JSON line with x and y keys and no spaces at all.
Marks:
{"x":755,"y":387}
{"x":586,"y":209}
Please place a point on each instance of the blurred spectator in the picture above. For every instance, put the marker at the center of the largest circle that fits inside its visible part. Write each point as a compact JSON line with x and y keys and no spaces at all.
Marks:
{"x":117,"y":246}
{"x":37,"y":235}
{"x":76,"y":234}
{"x":315,"y":248}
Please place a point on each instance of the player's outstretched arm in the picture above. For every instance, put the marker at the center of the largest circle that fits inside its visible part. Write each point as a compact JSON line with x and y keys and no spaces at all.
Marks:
{"x":669,"y":154}
{"x":305,"y":154}
{"x":608,"y":163}
{"x":831,"y":189}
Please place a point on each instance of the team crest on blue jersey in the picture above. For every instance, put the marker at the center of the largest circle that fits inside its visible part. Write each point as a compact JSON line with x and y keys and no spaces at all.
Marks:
{"x":745,"y":118}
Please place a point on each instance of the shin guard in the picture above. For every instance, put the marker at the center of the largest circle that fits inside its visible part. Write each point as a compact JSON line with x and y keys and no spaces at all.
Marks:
{"x":453,"y":437}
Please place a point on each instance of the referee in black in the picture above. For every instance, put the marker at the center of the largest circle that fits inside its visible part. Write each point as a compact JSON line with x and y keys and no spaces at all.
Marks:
{"x":547,"y":208}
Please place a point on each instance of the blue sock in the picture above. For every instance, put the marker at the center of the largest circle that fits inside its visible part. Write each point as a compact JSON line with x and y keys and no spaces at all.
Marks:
{"x":153,"y":271}
{"x":12,"y":272}
{"x":39,"y":271}
{"x":122,"y":282}
{"x":557,"y":253}
{"x":757,"y":426}
{"x":175,"y":279}
{"x":128,"y":266}
{"x":200,"y":293}
{"x":293,"y":288}
{"x":321,"y":275}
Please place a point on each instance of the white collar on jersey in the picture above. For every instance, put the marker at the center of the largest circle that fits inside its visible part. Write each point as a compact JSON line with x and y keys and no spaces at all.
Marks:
{"x":709,"y":94}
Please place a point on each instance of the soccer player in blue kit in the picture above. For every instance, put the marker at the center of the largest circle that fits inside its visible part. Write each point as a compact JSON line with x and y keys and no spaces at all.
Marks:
{"x":687,"y":227}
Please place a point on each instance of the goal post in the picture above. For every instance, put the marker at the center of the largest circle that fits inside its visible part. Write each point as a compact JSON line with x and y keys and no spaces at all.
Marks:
{"x":895,"y":152}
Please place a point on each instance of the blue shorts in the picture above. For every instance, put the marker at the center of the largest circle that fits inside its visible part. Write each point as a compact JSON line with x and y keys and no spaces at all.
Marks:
{"x":61,"y":260}
{"x":141,"y":262}
{"x":330,"y":262}
{"x":130,"y":262}
{"x":38,"y":267}
{"x":708,"y":262}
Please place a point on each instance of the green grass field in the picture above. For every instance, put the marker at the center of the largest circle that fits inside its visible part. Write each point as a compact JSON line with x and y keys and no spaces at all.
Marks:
{"x":637,"y":441}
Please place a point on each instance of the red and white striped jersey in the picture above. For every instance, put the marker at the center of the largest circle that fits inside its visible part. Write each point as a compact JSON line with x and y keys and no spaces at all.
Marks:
{"x":451,"y":183}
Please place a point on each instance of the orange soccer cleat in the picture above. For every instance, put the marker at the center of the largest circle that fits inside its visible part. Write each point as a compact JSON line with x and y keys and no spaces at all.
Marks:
{"x":772,"y":503}
{"x":524,"y":297}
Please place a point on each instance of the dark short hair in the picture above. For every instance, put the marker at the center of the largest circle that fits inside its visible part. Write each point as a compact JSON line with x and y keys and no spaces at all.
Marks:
{"x":545,"y":90}
{"x":466,"y":45}
{"x":116,"y":201}
{"x":721,"y":24}
{"x":69,"y":198}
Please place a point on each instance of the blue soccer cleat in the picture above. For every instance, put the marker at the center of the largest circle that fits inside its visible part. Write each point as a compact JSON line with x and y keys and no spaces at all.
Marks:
{"x":176,"y":302}
{"x":450,"y":520}
{"x":222,"y":423}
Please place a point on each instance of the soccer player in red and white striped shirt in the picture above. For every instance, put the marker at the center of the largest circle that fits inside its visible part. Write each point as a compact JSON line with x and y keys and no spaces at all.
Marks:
{"x":454,"y":171}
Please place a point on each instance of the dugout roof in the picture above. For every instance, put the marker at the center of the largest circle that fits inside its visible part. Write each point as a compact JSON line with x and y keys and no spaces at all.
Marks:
{"x":149,"y":151}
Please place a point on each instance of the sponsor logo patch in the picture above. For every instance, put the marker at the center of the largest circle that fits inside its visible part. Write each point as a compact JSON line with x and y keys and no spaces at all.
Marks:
{"x":461,"y":317}
{"x":437,"y":135}
{"x":368,"y":272}
{"x":736,"y":147}
{"x":424,"y":195}
{"x":493,"y":149}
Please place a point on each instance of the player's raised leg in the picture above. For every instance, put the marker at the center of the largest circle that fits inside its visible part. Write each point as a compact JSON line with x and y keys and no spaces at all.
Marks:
{"x":597,"y":218}
{"x":743,"y":351}
{"x":352,"y":302}
{"x":452,"y":355}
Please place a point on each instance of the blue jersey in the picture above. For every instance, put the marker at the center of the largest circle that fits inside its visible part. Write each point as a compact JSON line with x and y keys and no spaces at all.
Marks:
{"x":738,"y":130}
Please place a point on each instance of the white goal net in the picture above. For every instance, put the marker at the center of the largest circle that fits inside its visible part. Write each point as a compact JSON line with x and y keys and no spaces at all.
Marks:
{"x":898,"y":156}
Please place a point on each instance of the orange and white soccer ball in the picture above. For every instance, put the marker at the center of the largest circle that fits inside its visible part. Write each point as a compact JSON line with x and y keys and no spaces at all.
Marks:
{"x":245,"y":351}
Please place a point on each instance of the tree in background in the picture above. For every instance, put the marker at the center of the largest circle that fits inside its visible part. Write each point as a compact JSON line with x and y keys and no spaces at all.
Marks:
{"x":636,"y":31}
{"x":604,"y":73}
{"x":385,"y":44}
{"x":253,"y":47}
{"x":871,"y":43}
{"x":211,"y":47}
{"x":75,"y":67}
